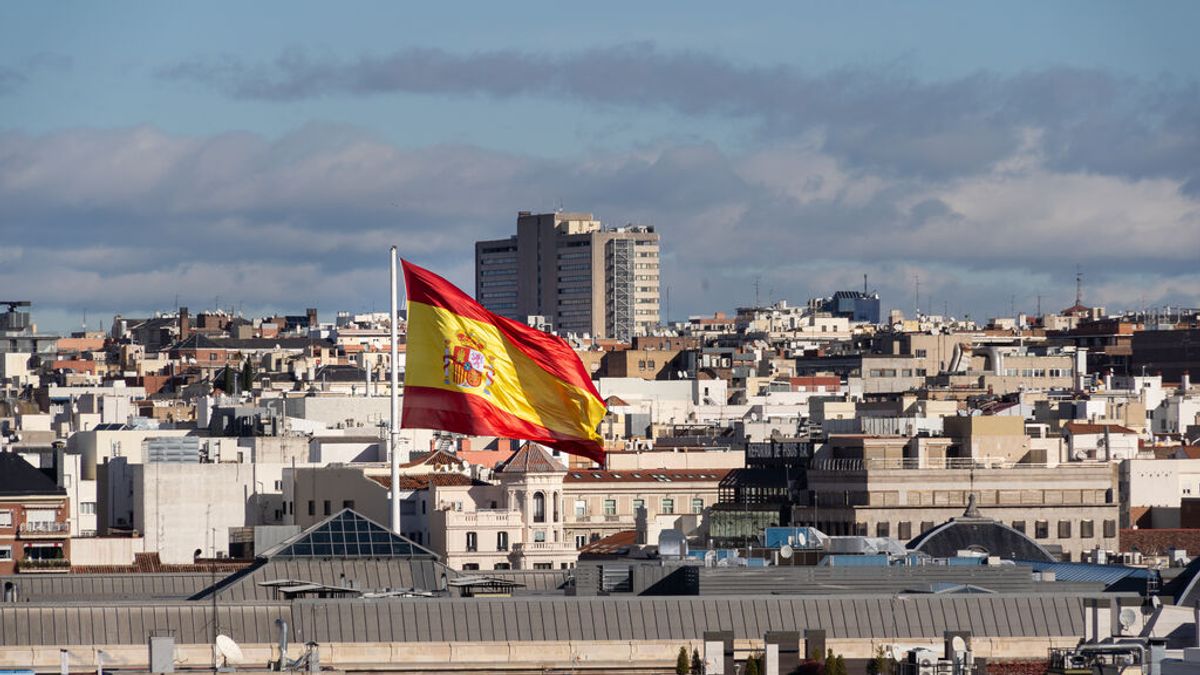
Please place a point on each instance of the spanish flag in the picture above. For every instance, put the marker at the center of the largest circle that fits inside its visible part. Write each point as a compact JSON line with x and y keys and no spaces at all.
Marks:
{"x":470,"y":371}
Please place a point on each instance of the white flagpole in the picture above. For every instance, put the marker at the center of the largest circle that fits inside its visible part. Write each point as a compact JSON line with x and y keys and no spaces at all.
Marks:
{"x":393,"y":450}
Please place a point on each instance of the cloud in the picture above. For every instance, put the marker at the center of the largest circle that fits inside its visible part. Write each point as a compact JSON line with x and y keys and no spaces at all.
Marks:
{"x":883,"y":119}
{"x":13,"y":78}
{"x":10,"y":80}
{"x":127,"y":219}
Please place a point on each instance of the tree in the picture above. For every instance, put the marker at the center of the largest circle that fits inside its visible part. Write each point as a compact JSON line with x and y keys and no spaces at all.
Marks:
{"x":697,"y":663}
{"x":840,"y":665}
{"x":752,"y":666}
{"x":229,"y":381}
{"x":247,"y":375}
{"x":682,"y":664}
{"x":881,"y":664}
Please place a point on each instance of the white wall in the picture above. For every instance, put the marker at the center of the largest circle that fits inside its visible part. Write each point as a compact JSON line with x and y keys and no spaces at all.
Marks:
{"x":183,"y":507}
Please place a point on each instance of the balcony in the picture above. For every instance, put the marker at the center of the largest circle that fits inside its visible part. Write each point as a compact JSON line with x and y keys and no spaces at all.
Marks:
{"x":44,"y":566}
{"x":588,"y":518}
{"x":543,"y":547}
{"x":44,"y":530}
{"x":500,"y":517}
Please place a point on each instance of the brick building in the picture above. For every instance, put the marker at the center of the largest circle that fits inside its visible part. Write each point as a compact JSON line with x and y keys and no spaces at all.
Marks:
{"x":35,"y":527}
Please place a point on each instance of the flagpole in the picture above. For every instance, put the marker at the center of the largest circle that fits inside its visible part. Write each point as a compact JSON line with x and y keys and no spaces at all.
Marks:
{"x":392,"y":426}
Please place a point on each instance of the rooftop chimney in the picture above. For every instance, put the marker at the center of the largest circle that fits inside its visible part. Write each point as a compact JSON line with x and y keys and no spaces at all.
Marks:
{"x":312,"y":317}
{"x":185,"y":323}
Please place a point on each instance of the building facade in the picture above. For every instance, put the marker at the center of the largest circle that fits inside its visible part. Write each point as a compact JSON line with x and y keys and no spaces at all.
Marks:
{"x":580,"y":276}
{"x":1073,"y":507}
{"x":35,"y":527}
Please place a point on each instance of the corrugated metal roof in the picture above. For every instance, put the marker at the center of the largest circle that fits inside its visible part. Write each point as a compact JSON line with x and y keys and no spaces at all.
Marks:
{"x":1087,"y":572}
{"x":561,"y":618}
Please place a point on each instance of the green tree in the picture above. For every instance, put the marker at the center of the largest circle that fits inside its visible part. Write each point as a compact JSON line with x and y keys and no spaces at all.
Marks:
{"x":881,"y":664}
{"x":247,"y":375}
{"x":752,"y":666}
{"x":229,"y":381}
{"x":697,"y":663}
{"x":682,"y":664}
{"x":841,"y":665}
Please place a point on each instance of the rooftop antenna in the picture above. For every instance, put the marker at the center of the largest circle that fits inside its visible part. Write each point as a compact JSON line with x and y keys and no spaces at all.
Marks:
{"x":917,"y":294}
{"x":757,"y":281}
{"x":666,"y":318}
{"x":865,"y":284}
{"x":1078,"y":286}
{"x":1039,"y":304}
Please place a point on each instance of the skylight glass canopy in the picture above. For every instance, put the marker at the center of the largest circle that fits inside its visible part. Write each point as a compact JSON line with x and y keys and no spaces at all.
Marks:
{"x":350,"y":535}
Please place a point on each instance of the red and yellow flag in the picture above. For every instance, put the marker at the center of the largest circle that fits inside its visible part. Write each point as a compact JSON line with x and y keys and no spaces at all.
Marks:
{"x":470,"y":371}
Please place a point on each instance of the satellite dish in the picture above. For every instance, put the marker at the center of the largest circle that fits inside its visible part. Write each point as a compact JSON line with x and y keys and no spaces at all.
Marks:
{"x":229,"y":649}
{"x":1128,"y":617}
{"x":785,"y":551}
{"x":958,"y":644}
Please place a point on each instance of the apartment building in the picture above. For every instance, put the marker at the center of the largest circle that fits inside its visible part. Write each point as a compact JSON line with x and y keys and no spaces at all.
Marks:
{"x":35,"y":526}
{"x":1073,"y":508}
{"x":580,"y":276}
{"x":602,"y":503}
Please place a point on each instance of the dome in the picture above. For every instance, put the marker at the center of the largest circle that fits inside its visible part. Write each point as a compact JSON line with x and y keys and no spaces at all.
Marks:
{"x":973,"y":532}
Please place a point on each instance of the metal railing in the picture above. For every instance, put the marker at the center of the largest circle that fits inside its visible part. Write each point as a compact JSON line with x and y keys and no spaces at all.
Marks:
{"x":45,"y":527}
{"x":912,"y":463}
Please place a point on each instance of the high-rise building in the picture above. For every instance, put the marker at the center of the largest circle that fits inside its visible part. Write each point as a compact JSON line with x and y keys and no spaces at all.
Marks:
{"x":580,"y":276}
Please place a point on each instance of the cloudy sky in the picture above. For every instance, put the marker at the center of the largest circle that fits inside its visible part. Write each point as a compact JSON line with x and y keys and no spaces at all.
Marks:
{"x":264,"y":155}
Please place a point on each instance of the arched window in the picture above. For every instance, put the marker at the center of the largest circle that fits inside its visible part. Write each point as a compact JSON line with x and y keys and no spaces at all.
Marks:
{"x":556,"y":500}
{"x":539,"y":507}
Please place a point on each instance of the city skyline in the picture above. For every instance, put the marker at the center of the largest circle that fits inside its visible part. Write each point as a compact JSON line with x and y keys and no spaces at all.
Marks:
{"x":151,"y":153}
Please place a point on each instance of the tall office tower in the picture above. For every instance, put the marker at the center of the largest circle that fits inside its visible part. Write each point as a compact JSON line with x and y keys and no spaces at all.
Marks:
{"x":580,"y":276}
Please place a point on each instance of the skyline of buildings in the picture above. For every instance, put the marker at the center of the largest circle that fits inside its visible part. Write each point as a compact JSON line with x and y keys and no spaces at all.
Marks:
{"x":878,"y":339}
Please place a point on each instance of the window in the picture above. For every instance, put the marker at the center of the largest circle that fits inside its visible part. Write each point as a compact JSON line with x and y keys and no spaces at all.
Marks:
{"x":87,"y":507}
{"x":904,"y":530}
{"x":5,"y":553}
{"x":1110,"y":529}
{"x":1019,"y":526}
{"x":501,"y":541}
{"x":312,"y":508}
{"x":638,"y":504}
{"x":555,"y":507}
{"x":610,"y":507}
{"x":1041,"y":530}
{"x":921,"y":353}
{"x":543,"y":566}
{"x":580,"y":508}
{"x":5,"y":518}
{"x":347,"y":503}
{"x":502,"y":566}
{"x":697,"y":505}
{"x":581,"y":540}
{"x":470,"y":566}
{"x":539,"y":536}
{"x":882,"y":529}
{"x":1087,"y":529}
{"x":472,"y":541}
{"x":926,"y":525}
{"x":278,"y":485}
{"x":328,"y":508}
{"x":1064,"y":529}
{"x":539,"y":507}
{"x":668,"y":506}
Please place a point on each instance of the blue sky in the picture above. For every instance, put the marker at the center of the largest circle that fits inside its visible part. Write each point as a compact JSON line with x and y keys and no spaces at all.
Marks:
{"x":156,"y":149}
